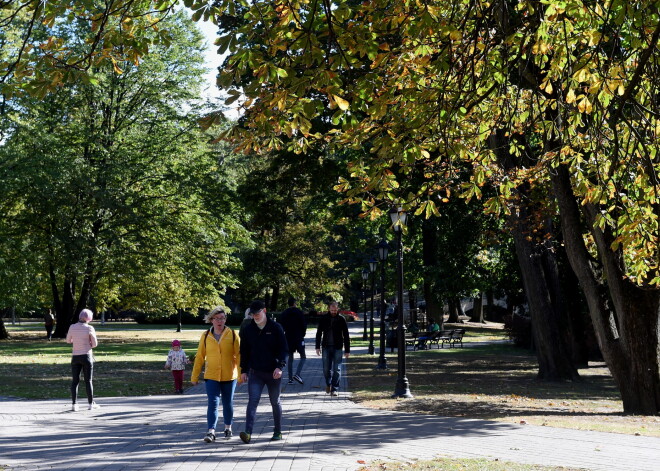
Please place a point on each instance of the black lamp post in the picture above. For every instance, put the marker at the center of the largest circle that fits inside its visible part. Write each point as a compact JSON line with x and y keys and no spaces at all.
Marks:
{"x":365,"y":277}
{"x":402,"y":388}
{"x":373,"y":264}
{"x":383,"y":249}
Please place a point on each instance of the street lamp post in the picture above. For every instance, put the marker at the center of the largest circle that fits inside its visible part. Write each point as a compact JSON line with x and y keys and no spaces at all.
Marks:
{"x":373,"y":263}
{"x":402,"y":388}
{"x":383,"y":249}
{"x":365,"y":277}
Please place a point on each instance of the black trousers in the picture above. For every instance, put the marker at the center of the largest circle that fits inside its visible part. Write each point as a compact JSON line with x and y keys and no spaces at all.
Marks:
{"x":84,"y":364}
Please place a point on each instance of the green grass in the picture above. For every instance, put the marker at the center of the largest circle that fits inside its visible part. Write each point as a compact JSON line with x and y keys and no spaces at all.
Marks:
{"x":129,"y":361}
{"x":495,"y":382}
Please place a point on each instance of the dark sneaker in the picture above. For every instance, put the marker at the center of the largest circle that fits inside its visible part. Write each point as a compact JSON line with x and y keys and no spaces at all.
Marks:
{"x":276,"y":436}
{"x":297,"y":378}
{"x":210,"y":437}
{"x":290,"y":381}
{"x":228,"y":434}
{"x":327,"y":389}
{"x":246,"y":437}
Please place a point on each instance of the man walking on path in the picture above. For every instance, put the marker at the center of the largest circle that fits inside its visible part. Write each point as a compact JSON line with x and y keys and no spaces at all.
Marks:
{"x":263,"y":357}
{"x":332,"y":335}
{"x":295,"y":327}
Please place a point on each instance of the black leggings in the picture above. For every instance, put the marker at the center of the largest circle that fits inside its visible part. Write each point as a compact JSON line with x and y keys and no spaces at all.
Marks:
{"x":84,"y":363}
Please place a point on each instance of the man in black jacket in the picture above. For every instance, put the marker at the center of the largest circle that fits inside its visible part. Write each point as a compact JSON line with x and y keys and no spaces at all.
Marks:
{"x":263,"y":358}
{"x":332,"y":335}
{"x":293,"y":321}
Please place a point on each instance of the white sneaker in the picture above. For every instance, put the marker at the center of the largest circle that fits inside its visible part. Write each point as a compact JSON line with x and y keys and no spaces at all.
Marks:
{"x":74,"y":407}
{"x":94,"y":405}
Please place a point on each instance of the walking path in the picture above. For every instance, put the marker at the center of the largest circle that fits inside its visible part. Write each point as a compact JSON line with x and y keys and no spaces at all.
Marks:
{"x":320,"y":433}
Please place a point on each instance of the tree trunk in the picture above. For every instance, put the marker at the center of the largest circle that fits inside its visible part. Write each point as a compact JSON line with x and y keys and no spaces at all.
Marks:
{"x":625,"y":317}
{"x":478,"y":309}
{"x":275,"y":297}
{"x":550,"y":330}
{"x":4,"y":335}
{"x":429,"y":259}
{"x":538,"y":264}
{"x":64,"y":308}
{"x":454,"y":310}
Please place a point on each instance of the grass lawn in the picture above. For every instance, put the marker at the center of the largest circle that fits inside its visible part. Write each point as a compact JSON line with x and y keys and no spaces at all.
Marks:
{"x":129,"y":360}
{"x":487,"y":381}
{"x":495,"y":382}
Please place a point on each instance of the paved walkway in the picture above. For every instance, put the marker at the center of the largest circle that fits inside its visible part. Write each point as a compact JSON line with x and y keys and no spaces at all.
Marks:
{"x":320,"y":433}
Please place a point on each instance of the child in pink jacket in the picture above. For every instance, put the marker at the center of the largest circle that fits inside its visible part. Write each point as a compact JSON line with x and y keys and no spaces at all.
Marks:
{"x":176,"y":362}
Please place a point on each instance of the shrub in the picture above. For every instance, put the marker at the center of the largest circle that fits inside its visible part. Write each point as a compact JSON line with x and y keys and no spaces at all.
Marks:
{"x":519,"y":330}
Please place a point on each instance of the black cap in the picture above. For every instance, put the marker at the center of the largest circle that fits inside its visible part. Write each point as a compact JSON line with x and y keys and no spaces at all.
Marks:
{"x":256,"y":306}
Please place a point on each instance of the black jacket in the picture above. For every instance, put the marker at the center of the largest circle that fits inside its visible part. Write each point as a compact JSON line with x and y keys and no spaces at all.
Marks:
{"x":339,"y":332}
{"x":263,"y":349}
{"x":293,"y":322}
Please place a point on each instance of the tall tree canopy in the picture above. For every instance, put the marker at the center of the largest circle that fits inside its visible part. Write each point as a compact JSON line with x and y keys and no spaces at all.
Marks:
{"x":529,"y":93}
{"x":110,"y":184}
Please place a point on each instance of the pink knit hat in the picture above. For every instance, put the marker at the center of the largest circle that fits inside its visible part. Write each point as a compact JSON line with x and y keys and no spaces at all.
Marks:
{"x":176,"y":343}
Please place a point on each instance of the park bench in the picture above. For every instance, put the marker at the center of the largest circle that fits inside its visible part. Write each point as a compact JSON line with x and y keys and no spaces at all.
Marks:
{"x":457,"y":337}
{"x":443,"y":337}
{"x":447,"y":337}
{"x":426,"y":339}
{"x":411,"y":340}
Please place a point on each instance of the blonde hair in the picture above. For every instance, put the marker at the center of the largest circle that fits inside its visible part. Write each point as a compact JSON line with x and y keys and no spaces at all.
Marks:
{"x":213,"y":312}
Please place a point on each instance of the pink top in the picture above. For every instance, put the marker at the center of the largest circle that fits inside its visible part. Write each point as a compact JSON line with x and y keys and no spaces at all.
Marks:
{"x":83,"y":338}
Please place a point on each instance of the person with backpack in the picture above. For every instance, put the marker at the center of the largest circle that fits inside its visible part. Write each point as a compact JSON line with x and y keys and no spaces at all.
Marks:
{"x":219,"y":352}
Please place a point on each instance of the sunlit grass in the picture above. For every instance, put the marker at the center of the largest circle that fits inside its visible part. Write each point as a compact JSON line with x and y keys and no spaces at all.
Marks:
{"x":496,"y":382}
{"x":129,"y":361}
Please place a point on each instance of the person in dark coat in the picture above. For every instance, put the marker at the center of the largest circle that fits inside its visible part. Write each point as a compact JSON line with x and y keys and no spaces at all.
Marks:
{"x":332,"y":337}
{"x":293,"y":321}
{"x":263,"y":358}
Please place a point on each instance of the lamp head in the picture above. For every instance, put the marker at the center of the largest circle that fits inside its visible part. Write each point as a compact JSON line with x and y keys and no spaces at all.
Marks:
{"x":383,"y":249}
{"x":399,"y":218}
{"x":373,"y":263}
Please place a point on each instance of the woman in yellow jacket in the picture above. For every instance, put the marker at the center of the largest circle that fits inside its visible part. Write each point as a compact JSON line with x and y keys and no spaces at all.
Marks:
{"x":219,"y":351}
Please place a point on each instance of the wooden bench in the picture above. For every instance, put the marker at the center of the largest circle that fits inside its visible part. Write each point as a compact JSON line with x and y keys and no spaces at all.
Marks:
{"x":411,"y":341}
{"x":424,"y":339}
{"x":457,"y":337}
{"x":447,"y":337}
{"x":440,"y":338}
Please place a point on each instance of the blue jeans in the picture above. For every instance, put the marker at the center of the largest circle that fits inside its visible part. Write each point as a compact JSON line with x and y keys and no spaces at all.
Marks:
{"x":214,"y":390}
{"x":84,"y":363}
{"x":301,"y":362}
{"x":256,"y":382}
{"x":332,"y":358}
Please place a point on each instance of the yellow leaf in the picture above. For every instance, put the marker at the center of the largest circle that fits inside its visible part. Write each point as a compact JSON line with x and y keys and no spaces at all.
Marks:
{"x":548,"y":88}
{"x":570,"y":96}
{"x":341,"y":103}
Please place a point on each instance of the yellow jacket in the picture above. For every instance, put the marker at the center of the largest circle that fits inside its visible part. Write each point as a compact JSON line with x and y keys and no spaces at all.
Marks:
{"x":221,"y":359}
